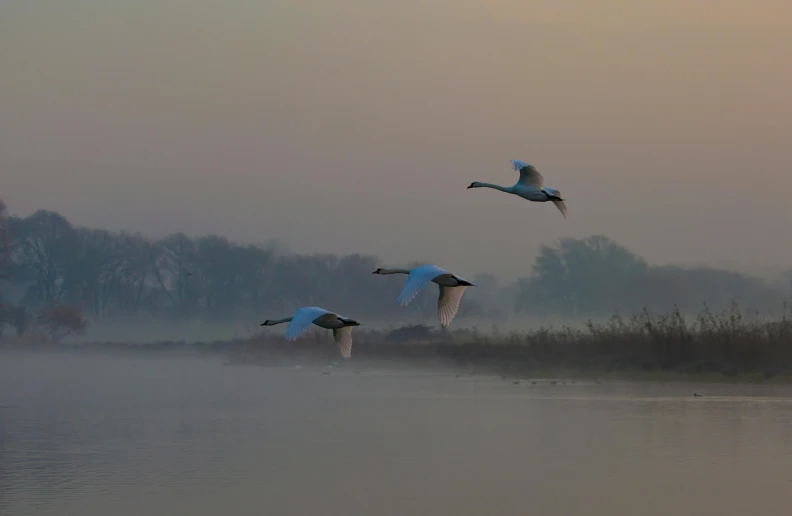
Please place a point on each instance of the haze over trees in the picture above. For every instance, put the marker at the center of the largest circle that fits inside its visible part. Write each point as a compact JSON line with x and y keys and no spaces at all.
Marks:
{"x":47,"y":262}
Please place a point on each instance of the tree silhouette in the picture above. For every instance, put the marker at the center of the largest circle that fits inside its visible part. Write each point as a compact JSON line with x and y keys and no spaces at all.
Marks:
{"x":581,"y":276}
{"x":113,"y":274}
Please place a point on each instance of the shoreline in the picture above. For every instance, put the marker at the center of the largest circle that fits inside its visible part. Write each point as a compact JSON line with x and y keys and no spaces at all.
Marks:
{"x":423,"y":357}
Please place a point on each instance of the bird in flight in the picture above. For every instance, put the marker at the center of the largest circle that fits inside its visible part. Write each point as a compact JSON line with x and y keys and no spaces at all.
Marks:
{"x":451,"y":288}
{"x":530,"y":186}
{"x":303,"y":317}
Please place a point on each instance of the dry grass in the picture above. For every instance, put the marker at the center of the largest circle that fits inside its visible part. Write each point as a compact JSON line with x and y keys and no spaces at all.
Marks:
{"x":727,"y":343}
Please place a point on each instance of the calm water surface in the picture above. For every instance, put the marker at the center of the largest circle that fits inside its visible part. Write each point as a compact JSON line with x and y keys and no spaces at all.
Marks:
{"x":119,"y":436}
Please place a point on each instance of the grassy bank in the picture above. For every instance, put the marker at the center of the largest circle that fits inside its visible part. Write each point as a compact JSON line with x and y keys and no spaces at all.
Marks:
{"x":710,"y":346}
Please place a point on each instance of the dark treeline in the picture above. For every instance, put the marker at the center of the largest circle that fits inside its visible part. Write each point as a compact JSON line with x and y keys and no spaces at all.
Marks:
{"x":596,"y":276}
{"x":48,"y":261}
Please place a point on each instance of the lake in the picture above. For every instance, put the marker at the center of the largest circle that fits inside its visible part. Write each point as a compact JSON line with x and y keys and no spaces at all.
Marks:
{"x":117,"y":435}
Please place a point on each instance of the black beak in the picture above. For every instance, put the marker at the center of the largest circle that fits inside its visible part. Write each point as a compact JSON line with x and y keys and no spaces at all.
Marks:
{"x":471,"y":186}
{"x":265,"y":322}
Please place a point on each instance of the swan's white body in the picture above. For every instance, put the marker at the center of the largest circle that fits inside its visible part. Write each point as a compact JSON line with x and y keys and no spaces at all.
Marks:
{"x":451,"y":288}
{"x":530,"y":186}
{"x":303,"y":317}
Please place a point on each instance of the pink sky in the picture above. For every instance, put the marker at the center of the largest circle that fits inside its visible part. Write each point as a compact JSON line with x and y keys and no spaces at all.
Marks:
{"x":355,"y":126}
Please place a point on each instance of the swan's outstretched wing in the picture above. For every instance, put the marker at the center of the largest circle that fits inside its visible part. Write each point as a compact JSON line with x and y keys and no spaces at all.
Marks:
{"x":529,"y":176}
{"x":448,"y":303}
{"x":417,"y":280}
{"x":561,"y":206}
{"x":343,"y":339}
{"x":303,"y":317}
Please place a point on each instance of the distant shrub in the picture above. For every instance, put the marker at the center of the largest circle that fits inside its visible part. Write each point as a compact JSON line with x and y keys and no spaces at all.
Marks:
{"x":60,"y":321}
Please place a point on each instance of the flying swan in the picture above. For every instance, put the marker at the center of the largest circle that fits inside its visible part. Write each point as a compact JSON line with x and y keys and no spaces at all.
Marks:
{"x":451,"y":288}
{"x":530,"y":186}
{"x":341,"y":326}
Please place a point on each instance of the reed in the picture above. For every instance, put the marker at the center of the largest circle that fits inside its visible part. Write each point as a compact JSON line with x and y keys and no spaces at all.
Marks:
{"x":725,"y":343}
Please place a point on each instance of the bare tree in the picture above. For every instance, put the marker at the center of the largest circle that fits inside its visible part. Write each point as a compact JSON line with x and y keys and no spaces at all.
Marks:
{"x":45,"y":247}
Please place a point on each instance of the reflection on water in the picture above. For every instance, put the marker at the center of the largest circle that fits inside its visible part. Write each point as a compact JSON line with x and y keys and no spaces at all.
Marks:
{"x":121,"y":436}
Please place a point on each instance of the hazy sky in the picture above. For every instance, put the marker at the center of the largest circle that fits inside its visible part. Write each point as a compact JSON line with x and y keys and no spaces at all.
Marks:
{"x":356,"y":126}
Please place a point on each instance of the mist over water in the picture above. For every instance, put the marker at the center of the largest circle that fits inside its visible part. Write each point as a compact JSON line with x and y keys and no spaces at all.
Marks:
{"x":127,"y":436}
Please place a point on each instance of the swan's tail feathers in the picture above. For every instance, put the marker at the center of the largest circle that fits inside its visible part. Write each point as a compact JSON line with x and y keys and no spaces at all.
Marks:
{"x":448,"y":303}
{"x":343,"y":339}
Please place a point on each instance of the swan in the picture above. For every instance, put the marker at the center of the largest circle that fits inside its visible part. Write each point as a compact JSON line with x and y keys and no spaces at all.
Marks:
{"x":341,"y":326}
{"x":530,"y":186}
{"x":451,"y":288}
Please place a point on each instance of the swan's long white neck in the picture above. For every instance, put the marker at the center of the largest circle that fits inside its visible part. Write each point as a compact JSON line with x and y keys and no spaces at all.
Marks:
{"x":393,"y":271}
{"x":477,"y":184}
{"x":273,"y":322}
